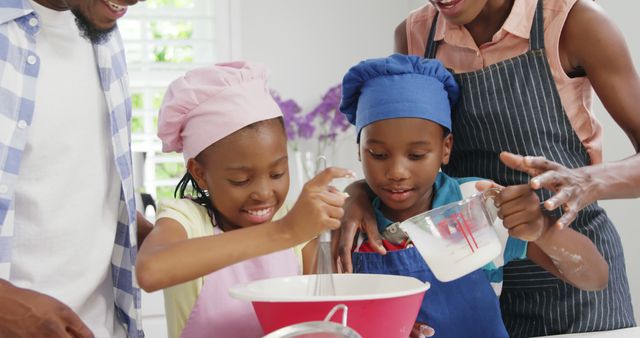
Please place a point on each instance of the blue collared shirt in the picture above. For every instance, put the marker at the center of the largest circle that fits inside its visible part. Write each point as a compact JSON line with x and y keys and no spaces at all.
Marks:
{"x":19,"y":69}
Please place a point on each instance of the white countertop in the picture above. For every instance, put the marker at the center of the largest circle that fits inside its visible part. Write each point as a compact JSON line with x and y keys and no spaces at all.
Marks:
{"x":633,"y":332}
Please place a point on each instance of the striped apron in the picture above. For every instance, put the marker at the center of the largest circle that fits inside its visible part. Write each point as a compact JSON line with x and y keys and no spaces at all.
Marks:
{"x":514,"y":106}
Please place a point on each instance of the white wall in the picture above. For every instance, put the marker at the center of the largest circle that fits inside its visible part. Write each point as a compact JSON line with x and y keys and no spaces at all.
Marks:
{"x":310,"y":44}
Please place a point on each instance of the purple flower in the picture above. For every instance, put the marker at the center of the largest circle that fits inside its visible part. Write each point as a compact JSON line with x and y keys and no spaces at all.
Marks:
{"x":325,"y":118}
{"x":290,"y":110}
{"x":306,"y":130}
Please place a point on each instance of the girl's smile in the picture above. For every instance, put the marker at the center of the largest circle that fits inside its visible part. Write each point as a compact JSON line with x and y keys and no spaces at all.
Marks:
{"x":246,"y":173}
{"x":259,"y":215}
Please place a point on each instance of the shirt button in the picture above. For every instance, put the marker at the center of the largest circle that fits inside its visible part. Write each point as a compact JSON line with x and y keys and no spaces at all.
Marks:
{"x":3,"y":189}
{"x":33,"y":22}
{"x":31,"y":59}
{"x":22,"y":124}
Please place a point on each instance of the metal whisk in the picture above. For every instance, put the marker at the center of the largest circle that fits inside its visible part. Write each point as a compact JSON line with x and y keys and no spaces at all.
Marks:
{"x":324,"y":285}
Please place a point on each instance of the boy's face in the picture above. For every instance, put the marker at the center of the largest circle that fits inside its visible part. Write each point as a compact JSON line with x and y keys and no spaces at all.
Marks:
{"x":400,"y":159}
{"x":246,"y":173}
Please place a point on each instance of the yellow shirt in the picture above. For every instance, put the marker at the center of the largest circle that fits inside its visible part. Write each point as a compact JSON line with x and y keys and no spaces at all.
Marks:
{"x":180,"y":299}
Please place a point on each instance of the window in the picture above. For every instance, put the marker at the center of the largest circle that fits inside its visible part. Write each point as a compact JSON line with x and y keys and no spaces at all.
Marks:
{"x":163,"y":39}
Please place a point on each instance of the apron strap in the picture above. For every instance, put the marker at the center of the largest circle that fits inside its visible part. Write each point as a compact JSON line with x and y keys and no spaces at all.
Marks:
{"x":432,"y":46}
{"x":536,"y":36}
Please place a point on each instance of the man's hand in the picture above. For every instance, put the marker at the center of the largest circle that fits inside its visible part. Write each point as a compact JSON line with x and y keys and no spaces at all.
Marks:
{"x":144,"y":228}
{"x":26,"y":313}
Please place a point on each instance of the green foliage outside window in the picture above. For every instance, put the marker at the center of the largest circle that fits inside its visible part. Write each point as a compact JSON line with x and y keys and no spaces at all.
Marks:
{"x":169,"y":3}
{"x":156,"y":40}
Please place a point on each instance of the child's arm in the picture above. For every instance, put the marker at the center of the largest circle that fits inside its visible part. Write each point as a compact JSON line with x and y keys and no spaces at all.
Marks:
{"x":564,"y":252}
{"x":168,"y":257}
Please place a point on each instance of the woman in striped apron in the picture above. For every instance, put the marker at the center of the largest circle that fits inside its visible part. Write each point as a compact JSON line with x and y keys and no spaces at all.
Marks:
{"x":520,"y":103}
{"x":516,"y":107}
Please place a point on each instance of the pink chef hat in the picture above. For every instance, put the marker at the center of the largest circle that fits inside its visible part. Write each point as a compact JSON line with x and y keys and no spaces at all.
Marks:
{"x":209,"y":103}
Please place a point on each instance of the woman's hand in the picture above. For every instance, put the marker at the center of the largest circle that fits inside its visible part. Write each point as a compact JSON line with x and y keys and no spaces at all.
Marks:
{"x":421,"y":330}
{"x":573,"y":188}
{"x":358,"y":216}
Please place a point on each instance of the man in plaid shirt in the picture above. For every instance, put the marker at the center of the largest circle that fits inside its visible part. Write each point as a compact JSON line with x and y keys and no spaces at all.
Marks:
{"x":68,"y":235}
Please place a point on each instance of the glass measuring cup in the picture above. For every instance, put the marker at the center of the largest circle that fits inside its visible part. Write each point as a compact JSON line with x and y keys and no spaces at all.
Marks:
{"x":457,"y":238}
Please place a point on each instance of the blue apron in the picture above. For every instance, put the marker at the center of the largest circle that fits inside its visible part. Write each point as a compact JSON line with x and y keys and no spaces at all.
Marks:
{"x":465,"y":307}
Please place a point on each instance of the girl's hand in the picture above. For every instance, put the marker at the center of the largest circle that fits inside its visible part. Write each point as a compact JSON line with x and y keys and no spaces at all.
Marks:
{"x":421,"y":330}
{"x":573,"y":188}
{"x":319,"y":206}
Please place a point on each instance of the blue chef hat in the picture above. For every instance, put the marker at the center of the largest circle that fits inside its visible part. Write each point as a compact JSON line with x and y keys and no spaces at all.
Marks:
{"x":398,"y":86}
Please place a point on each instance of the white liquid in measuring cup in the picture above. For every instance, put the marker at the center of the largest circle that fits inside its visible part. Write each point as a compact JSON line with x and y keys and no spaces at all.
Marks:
{"x":453,"y":257}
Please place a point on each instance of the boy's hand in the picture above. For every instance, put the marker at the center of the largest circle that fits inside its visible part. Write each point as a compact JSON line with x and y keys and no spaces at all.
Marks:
{"x":519,"y":209}
{"x":358,"y":216}
{"x":319,"y":206}
{"x":421,"y":330}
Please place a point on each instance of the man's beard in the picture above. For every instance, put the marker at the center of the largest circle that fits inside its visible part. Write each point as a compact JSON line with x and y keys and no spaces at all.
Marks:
{"x":88,"y":29}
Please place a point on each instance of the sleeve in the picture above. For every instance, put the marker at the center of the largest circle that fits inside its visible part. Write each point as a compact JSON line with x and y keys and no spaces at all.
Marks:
{"x":180,"y":299}
{"x":193,"y":217}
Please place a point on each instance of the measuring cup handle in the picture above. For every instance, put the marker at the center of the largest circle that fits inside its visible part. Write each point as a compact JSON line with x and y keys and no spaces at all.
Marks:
{"x":488,"y":201}
{"x":491,"y":193}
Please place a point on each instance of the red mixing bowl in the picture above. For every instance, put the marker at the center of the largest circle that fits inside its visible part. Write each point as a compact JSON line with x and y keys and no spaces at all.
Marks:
{"x":379,"y":306}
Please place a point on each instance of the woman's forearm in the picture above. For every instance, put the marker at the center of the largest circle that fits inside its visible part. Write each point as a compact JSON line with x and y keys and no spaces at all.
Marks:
{"x":619,"y":179}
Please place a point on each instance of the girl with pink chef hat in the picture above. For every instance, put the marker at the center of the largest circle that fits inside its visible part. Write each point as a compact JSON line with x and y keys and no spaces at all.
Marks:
{"x":225,"y":227}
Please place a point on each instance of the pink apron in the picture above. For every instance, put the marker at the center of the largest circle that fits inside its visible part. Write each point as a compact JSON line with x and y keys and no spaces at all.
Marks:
{"x":216,"y":314}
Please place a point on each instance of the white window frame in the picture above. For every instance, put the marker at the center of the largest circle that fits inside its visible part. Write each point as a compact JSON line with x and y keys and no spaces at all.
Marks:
{"x":149,"y":80}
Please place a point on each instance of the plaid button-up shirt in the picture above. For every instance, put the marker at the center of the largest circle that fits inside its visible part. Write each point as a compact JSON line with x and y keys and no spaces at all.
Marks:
{"x":19,"y":68}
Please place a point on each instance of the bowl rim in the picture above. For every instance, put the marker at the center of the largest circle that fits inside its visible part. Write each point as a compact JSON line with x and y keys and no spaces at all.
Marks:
{"x":244,"y":292}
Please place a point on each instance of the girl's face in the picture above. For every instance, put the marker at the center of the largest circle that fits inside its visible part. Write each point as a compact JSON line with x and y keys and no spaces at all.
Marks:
{"x":459,"y":12}
{"x":246,"y":173}
{"x":401,"y":158}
